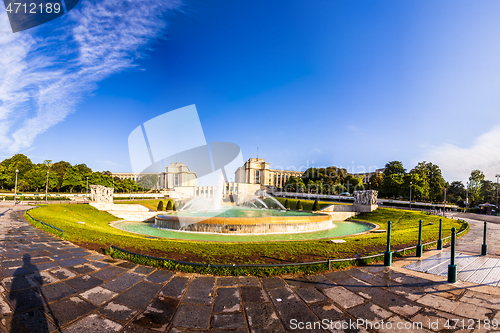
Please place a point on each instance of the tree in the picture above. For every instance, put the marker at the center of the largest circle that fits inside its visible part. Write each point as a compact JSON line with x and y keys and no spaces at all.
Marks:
{"x":287,"y":204}
{"x":419,"y":186}
{"x":456,"y":193}
{"x":294,"y":184}
{"x":488,"y":192}
{"x":299,"y":205}
{"x":376,"y":181}
{"x":160,"y":206}
{"x":315,"y":206}
{"x":475,"y":182}
{"x":72,"y":178}
{"x":393,"y":179}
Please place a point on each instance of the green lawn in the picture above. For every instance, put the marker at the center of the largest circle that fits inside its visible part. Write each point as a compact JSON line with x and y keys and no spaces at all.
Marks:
{"x":96,"y":231}
{"x":151,"y":204}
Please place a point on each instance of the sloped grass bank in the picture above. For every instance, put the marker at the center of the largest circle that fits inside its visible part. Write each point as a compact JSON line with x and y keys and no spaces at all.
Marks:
{"x":95,"y":232}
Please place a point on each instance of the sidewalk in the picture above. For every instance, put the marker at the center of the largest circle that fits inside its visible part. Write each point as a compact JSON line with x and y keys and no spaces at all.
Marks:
{"x":49,"y":285}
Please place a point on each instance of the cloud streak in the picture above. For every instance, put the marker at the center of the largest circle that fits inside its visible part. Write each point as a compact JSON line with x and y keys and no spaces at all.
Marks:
{"x":458,"y":162}
{"x":43,"y":76}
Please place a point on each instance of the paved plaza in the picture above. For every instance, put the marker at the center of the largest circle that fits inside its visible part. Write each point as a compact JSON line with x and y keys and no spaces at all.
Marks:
{"x":49,"y":285}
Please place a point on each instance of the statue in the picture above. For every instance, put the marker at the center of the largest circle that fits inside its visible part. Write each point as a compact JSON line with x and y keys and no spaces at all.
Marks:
{"x":365,"y":200}
{"x":101,"y":194}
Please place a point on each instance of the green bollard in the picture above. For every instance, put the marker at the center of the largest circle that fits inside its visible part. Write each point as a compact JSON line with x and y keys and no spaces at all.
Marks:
{"x":484,"y":248}
{"x":452,"y":268}
{"x":388,"y":253}
{"x":419,"y":246}
{"x":440,"y":241}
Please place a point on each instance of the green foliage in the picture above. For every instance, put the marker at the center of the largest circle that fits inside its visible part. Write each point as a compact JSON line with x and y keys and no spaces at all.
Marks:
{"x":160,"y":206}
{"x":170,"y":205}
{"x":315,"y":206}
{"x":287,"y":204}
{"x":475,"y":183}
{"x":299,"y":205}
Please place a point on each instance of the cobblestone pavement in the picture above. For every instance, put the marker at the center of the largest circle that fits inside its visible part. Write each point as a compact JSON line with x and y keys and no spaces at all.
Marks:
{"x":49,"y":285}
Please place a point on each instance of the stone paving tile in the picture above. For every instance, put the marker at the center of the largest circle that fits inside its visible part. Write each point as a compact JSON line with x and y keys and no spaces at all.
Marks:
{"x":226,"y":300}
{"x":438,"y":302}
{"x":118,"y":312}
{"x":84,"y":282}
{"x":24,"y":299}
{"x":99,"y":264}
{"x":127,"y":265}
{"x":17,"y":283}
{"x":249,"y":281}
{"x":108,"y":273}
{"x":96,"y":256}
{"x":67,"y":310}
{"x":98,"y":295}
{"x":326,"y":310}
{"x":253,"y":295}
{"x":473,"y":311}
{"x":343,"y":297}
{"x":30,"y":321}
{"x":433,"y":319}
{"x":62,"y":273}
{"x":228,"y":321}
{"x":321,"y":281}
{"x":200,"y":291}
{"x":4,"y":306}
{"x":57,"y":291}
{"x":227,"y":282}
{"x":123,"y":282}
{"x":406,"y":292}
{"x":480,"y":299}
{"x":160,"y":276}
{"x":192,"y":316}
{"x":390,"y":301}
{"x":273,"y":282}
{"x":139,"y":295}
{"x":82,"y":269}
{"x":263,"y":318}
{"x":290,"y":306}
{"x":16,"y":271}
{"x":71,"y":262}
{"x":310,"y":294}
{"x":298,"y":282}
{"x":158,"y":313}
{"x":175,"y":287}
{"x":370,"y":311}
{"x":94,"y":324}
{"x":145,"y":270}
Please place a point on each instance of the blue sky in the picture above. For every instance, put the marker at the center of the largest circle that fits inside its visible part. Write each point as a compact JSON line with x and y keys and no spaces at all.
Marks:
{"x":348,"y":83}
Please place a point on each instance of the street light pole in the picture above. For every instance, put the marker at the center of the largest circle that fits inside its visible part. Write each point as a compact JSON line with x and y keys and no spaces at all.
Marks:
{"x":15,"y":190}
{"x":47,"y":186}
{"x":444,"y":203}
{"x":497,"y":195}
{"x":467,"y":197}
{"x":410,"y":195}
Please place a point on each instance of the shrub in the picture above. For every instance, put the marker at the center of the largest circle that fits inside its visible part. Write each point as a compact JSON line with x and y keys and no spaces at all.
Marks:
{"x":160,"y":206}
{"x":287,"y":204}
{"x":299,"y":205}
{"x":315,"y":206}
{"x":170,"y":206}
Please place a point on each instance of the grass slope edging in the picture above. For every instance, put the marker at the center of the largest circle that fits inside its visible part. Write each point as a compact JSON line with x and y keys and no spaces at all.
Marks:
{"x":239,"y":258}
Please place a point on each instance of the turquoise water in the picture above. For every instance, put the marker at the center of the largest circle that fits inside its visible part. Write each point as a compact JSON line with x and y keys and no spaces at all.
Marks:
{"x":241,"y":212}
{"x":342,"y":229}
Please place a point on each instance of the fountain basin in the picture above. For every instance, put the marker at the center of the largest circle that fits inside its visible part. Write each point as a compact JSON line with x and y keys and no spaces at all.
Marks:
{"x":245,"y":221}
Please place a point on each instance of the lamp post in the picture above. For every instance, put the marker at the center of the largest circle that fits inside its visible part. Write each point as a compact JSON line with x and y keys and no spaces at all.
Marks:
{"x":497,"y":195}
{"x":15,"y":188}
{"x":444,"y":203}
{"x":370,"y":185}
{"x":467,"y":197}
{"x":47,"y":187}
{"x":87,"y":189}
{"x":410,"y":195}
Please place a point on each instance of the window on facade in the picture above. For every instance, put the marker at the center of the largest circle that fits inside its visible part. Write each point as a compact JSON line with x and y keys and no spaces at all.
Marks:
{"x":257,"y":176}
{"x":176,"y":180}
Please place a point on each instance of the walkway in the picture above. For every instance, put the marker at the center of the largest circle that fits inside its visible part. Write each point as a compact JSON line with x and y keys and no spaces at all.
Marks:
{"x":49,"y":285}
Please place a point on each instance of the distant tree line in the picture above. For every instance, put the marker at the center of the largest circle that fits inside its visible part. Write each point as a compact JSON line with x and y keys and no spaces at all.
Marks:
{"x":62,"y":176}
{"x":425,"y":179}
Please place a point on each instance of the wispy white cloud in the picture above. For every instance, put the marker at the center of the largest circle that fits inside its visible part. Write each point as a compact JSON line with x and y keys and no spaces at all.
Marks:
{"x":458,"y":162}
{"x":44,"y":76}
